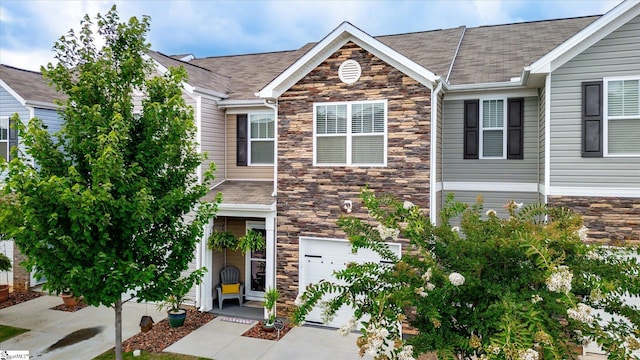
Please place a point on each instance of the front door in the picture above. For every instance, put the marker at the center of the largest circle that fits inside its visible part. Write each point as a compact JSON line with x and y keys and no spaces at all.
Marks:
{"x":255,"y":268}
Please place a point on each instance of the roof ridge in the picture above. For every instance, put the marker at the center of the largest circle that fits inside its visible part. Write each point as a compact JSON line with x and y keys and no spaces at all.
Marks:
{"x":20,"y":69}
{"x":535,"y":21}
{"x":185,"y":62}
{"x":253,"y":54}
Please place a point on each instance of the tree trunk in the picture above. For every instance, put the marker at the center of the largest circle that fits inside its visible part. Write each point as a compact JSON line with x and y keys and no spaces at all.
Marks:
{"x":118,"y":308}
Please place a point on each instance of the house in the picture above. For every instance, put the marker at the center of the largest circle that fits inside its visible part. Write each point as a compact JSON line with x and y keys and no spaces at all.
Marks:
{"x":544,"y":111}
{"x":27,"y":94}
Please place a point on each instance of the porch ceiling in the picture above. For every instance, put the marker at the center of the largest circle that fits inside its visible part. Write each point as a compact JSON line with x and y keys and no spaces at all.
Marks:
{"x":238,"y":192}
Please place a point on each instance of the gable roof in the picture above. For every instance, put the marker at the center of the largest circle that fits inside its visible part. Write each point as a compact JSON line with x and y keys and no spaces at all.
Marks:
{"x":490,"y":54}
{"x":336,"y":39}
{"x":30,"y":87}
{"x":596,"y":31}
{"x":249,"y":73}
{"x":199,"y":78}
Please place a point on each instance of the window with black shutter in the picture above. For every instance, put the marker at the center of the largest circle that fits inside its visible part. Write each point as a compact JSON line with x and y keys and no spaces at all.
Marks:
{"x":471,"y":129}
{"x":592,"y":119}
{"x":515,"y":128}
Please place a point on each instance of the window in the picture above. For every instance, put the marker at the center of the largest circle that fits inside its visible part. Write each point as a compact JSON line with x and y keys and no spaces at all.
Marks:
{"x":492,"y":144}
{"x":261,"y":138}
{"x":493,"y":129}
{"x":622,"y":116}
{"x":255,"y":139}
{"x":8,"y":137}
{"x":350,"y":133}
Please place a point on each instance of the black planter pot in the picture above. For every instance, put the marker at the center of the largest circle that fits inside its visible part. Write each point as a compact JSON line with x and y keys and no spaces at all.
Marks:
{"x":176,"y":317}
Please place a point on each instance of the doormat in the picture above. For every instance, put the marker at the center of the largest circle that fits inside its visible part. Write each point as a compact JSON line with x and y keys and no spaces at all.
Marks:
{"x":253,"y":304}
{"x":236,"y":320}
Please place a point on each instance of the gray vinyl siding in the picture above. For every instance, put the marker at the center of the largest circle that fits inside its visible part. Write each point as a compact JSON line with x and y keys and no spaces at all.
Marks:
{"x":494,"y":200}
{"x":10,"y":105}
{"x":50,"y":118}
{"x":212,"y":138}
{"x":617,"y":54}
{"x":234,"y":172}
{"x":488,"y":170}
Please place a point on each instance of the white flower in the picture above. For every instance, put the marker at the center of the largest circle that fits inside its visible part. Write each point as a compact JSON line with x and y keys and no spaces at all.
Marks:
{"x":519,"y":205}
{"x":491,"y":212}
{"x":560,"y":281}
{"x":427,"y":276}
{"x":583,"y":233}
{"x":456,"y":279}
{"x":536,"y":298}
{"x":325,"y":309}
{"x":347,"y":328}
{"x":594,"y":255}
{"x":406,"y":353}
{"x":429,"y":286}
{"x":386,"y":232}
{"x":375,"y":339}
{"x":420,"y":291}
{"x":581,"y":313}
{"x":455,"y":229}
{"x":529,"y":354}
{"x":407,"y":205}
{"x":299,"y":301}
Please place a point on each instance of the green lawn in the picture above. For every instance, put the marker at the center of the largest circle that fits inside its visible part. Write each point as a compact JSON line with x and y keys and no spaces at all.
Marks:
{"x":110,"y":355}
{"x":7,"y":332}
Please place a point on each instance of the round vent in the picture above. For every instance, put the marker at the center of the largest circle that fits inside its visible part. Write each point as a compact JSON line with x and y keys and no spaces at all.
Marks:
{"x":349,"y":71}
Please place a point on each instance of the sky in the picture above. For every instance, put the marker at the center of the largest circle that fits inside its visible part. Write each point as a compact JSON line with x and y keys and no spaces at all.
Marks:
{"x":29,"y":28}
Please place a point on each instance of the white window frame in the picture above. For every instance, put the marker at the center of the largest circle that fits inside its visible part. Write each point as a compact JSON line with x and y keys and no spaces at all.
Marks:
{"x":606,"y":118}
{"x":5,"y":142}
{"x":350,"y":135}
{"x":251,"y":140}
{"x":482,"y":128}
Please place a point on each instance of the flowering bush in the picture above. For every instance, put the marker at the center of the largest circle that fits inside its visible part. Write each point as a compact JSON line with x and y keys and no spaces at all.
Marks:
{"x":526,"y":287}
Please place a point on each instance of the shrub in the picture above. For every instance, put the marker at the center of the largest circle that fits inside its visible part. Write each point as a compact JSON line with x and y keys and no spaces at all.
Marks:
{"x":525,"y":287}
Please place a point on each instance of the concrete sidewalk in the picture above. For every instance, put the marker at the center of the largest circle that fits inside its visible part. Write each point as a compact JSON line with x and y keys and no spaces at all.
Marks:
{"x":83,"y":334}
{"x":89,"y":332}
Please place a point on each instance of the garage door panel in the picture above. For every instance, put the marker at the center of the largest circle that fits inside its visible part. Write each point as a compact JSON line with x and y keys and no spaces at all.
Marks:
{"x":320,"y":258}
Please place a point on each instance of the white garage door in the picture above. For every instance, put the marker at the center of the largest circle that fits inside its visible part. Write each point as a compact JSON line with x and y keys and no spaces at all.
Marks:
{"x":319,"y":258}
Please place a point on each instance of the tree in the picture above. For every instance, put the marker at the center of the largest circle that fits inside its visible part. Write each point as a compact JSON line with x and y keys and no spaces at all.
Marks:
{"x":112,"y":204}
{"x":527,"y":287}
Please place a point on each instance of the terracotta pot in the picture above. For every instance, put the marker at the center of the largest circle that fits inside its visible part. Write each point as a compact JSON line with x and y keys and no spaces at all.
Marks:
{"x":69,"y":300}
{"x":4,"y":293}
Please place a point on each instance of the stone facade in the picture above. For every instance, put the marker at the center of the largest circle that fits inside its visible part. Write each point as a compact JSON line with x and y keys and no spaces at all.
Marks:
{"x":609,"y":219}
{"x":21,"y":277}
{"x":309,"y":197}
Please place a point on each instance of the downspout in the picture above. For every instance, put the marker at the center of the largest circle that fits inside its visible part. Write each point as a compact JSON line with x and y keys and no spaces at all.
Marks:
{"x":433,"y":156}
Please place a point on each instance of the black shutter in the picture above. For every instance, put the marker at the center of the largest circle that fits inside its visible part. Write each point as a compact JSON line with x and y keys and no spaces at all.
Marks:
{"x":241,"y":140}
{"x":471,"y":129}
{"x":515,"y":128}
{"x":592,"y":119}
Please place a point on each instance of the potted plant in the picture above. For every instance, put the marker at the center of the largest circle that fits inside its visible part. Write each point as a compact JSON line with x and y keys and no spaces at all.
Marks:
{"x":5,"y":266}
{"x":68,"y":298}
{"x":271,"y":296}
{"x":178,"y":295}
{"x":221,"y":240}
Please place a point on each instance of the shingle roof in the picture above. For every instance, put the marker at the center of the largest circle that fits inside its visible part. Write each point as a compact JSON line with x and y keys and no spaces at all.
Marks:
{"x":486,"y":54}
{"x":198,"y":76}
{"x":498,"y":53}
{"x":249,"y":73}
{"x":243,"y":192}
{"x":30,"y":85}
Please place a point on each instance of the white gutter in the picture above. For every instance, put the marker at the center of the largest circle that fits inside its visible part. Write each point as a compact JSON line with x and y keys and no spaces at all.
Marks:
{"x":433,"y":156}
{"x":487,"y":86}
{"x":226,"y":104}
{"x":274,"y":106}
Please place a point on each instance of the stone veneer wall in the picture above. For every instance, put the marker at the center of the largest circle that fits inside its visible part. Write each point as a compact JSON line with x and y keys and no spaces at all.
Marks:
{"x":21,"y":277}
{"x":309,"y":197}
{"x":609,"y":219}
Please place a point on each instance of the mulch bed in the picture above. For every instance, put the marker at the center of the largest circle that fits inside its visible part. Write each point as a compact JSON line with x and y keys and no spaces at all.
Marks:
{"x":62,"y":307}
{"x":259,"y":332}
{"x":19,"y":297}
{"x":162,"y":335}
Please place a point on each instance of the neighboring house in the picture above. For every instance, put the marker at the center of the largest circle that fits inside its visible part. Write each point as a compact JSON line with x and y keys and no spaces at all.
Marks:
{"x":27,"y":94}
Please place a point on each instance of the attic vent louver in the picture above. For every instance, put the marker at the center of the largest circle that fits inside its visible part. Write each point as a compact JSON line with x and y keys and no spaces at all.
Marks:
{"x":349,"y":71}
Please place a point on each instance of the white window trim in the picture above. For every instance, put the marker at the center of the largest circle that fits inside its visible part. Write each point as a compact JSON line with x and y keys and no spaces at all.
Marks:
{"x":5,"y":143}
{"x":481,"y":127}
{"x":250,"y":140}
{"x":605,"y":115}
{"x":349,"y":135}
